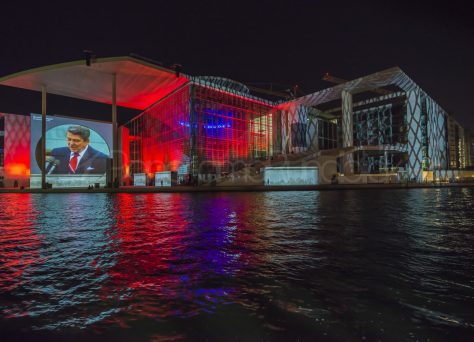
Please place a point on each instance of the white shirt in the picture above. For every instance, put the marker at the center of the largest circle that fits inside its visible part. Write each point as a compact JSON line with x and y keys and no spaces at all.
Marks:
{"x":79,"y":157}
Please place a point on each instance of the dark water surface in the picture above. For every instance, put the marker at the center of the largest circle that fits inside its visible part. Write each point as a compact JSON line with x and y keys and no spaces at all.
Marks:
{"x":336,"y":265}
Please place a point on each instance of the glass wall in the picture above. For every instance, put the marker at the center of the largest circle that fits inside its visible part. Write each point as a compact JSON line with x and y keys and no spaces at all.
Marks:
{"x":229,"y":128}
{"x":197,"y":130}
{"x":378,"y":126}
{"x":327,"y":134}
{"x":158,"y":139}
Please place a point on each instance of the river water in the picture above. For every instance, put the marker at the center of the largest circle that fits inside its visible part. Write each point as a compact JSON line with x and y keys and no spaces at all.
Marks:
{"x":330,"y":265}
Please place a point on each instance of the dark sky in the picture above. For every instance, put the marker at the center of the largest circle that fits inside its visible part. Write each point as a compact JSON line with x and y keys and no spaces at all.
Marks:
{"x":283,"y":42}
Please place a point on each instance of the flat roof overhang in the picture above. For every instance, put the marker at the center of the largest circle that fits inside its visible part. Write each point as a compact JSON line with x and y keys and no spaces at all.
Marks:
{"x":139,"y":84}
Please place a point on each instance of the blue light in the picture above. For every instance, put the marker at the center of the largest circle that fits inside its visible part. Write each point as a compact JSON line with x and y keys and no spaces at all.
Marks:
{"x":217,"y":126}
{"x":220,"y":112}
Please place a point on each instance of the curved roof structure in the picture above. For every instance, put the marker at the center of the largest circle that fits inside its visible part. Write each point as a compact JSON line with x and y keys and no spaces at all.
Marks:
{"x":139,"y":83}
{"x":392,"y":76}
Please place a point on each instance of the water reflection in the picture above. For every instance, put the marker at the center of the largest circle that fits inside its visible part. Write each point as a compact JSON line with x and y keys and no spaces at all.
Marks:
{"x":19,"y":242}
{"x":345,"y":264}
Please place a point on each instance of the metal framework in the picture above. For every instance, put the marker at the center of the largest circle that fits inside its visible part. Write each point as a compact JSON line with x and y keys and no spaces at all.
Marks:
{"x":200,"y":129}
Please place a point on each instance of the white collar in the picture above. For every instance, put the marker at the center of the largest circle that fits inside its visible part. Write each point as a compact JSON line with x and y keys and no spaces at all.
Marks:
{"x":80,"y":153}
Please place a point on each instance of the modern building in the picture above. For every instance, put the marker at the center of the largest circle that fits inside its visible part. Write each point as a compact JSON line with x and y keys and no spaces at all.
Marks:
{"x":205,"y":129}
{"x":385,"y":123}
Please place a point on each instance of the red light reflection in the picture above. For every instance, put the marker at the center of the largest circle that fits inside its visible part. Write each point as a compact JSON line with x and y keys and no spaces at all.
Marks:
{"x":19,"y":241}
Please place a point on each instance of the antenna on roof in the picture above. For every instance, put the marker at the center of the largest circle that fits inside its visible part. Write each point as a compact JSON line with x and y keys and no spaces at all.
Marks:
{"x":177,"y":68}
{"x":145,"y":59}
{"x":90,"y":56}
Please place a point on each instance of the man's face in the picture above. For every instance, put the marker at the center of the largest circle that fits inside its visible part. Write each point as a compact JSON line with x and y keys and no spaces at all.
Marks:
{"x":75,"y":142}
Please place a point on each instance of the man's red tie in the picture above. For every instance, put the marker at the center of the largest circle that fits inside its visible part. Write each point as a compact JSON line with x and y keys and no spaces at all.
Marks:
{"x":73,"y":162}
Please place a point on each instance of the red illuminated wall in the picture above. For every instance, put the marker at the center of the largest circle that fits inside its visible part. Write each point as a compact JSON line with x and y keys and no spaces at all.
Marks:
{"x":227,"y":127}
{"x":17,"y":150}
{"x":159,"y":137}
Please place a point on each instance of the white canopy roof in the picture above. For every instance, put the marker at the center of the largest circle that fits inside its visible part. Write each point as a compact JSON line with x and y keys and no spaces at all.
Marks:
{"x":139,"y":83}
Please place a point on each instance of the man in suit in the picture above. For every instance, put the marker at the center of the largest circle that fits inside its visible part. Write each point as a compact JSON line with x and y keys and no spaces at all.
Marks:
{"x":78,"y":157}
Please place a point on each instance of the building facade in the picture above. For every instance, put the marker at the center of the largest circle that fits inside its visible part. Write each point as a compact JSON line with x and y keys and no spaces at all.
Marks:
{"x":385,"y":124}
{"x":208,"y":127}
{"x":203,"y":128}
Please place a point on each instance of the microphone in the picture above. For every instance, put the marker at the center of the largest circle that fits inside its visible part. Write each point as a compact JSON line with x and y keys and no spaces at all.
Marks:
{"x":52,"y":163}
{"x":48,"y":161}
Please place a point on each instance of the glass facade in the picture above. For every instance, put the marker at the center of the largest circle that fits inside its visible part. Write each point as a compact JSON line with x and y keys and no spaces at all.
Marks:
{"x":229,"y":128}
{"x":212,"y":129}
{"x":158,"y":139}
{"x":198,"y":130}
{"x":382,"y":125}
{"x":379,"y":126}
{"x":327,"y":134}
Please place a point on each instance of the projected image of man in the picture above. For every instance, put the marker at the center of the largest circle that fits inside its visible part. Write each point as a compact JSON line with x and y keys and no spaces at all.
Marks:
{"x":78,"y":157}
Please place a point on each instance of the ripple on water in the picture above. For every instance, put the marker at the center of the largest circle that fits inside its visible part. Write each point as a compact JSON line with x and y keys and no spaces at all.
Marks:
{"x":345,"y":264}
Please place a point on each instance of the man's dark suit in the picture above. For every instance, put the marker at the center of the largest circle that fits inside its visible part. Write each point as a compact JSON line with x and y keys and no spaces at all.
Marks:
{"x":92,"y":162}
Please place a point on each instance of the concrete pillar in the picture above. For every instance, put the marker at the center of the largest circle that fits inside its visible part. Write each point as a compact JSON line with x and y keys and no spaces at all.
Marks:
{"x":413,"y":119}
{"x":43,"y":137}
{"x":347,"y":131}
{"x":287,"y":132}
{"x":114,"y":130}
{"x":277,"y":128}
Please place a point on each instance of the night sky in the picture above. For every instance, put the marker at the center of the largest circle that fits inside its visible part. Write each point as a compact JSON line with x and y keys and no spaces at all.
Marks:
{"x":259,"y":42}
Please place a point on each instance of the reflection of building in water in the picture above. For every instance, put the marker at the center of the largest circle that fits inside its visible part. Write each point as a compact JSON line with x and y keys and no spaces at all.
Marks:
{"x":141,"y":269}
{"x":213,"y":129}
